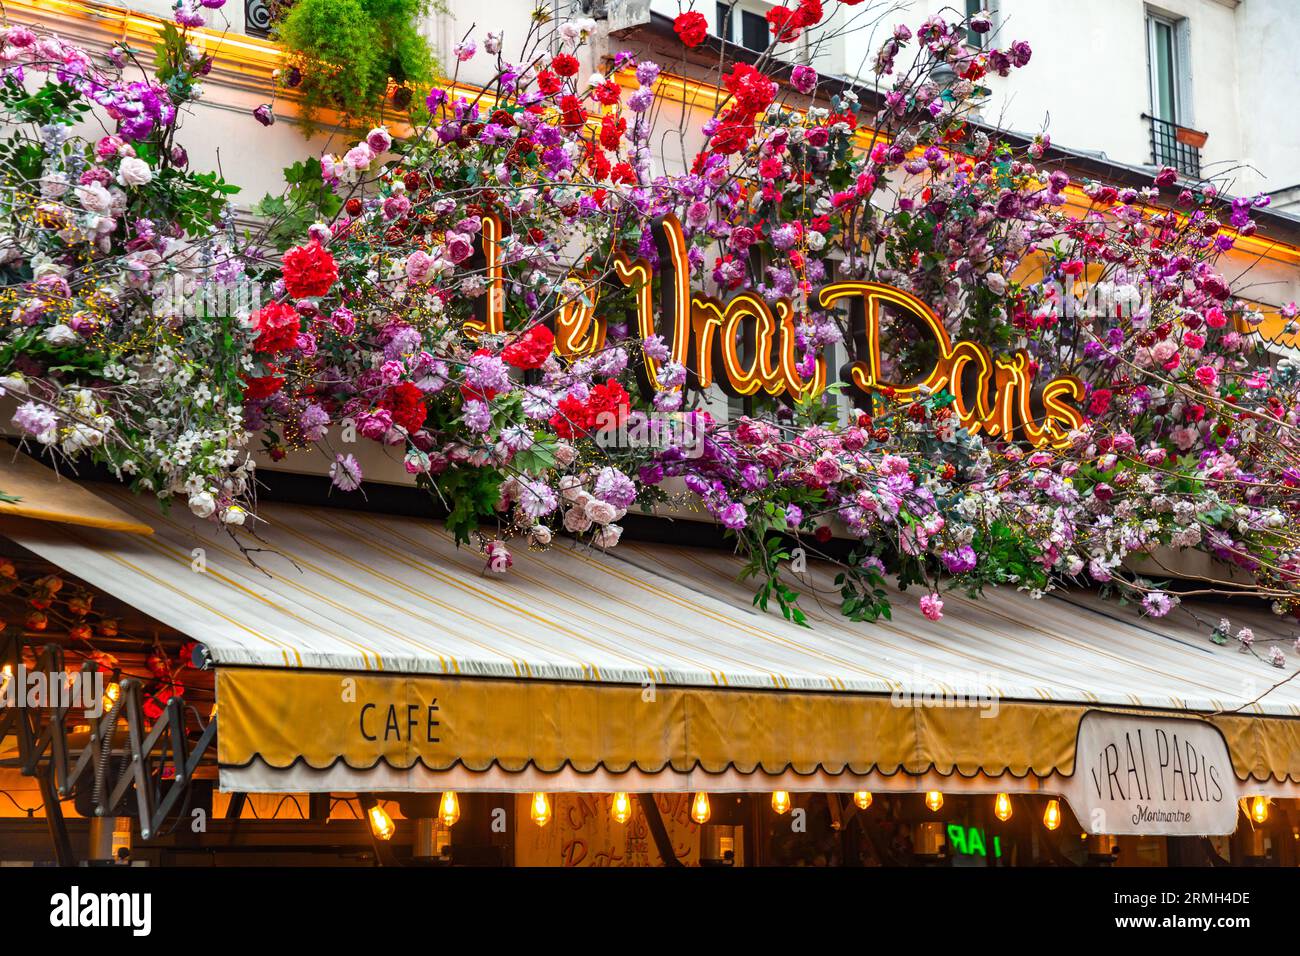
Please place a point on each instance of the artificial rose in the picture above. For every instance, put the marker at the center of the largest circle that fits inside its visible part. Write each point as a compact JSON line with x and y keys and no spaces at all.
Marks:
{"x":309,"y":271}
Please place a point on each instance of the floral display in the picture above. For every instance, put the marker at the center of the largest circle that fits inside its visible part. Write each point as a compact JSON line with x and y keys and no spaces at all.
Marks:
{"x":514,"y":297}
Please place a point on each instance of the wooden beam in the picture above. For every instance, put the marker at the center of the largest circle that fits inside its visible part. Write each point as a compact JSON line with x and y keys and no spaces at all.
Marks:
{"x":653,"y":819}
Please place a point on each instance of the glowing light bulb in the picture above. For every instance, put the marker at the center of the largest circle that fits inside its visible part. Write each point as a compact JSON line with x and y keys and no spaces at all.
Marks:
{"x":700,"y":808}
{"x":381,"y":824}
{"x":862,"y":799}
{"x":111,"y":693}
{"x":621,"y":808}
{"x":1052,"y":815}
{"x":780,"y":801}
{"x":449,"y":808}
{"x":541,"y":809}
{"x":934,"y":800}
{"x":1259,"y":809}
{"x":1002,"y":807}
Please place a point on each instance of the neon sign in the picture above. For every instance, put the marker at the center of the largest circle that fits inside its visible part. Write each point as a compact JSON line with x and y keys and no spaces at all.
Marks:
{"x":746,"y":344}
{"x":970,"y":841}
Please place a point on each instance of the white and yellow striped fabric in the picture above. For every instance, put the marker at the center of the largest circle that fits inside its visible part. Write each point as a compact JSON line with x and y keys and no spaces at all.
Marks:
{"x":336,"y":589}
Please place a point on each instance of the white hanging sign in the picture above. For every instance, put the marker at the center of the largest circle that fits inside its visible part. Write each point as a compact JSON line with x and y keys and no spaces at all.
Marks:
{"x":1152,"y":776}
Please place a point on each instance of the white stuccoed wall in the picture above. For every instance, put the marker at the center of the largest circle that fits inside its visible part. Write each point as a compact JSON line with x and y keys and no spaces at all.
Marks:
{"x":1087,"y":81}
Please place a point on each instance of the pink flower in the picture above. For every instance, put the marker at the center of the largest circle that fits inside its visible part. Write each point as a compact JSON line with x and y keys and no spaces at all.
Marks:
{"x":827,"y":470}
{"x":418,"y":266}
{"x":459,"y":247}
{"x":1207,"y":376}
{"x":803,"y":78}
{"x":498,"y":557}
{"x":359,"y":157}
{"x":932,"y":607}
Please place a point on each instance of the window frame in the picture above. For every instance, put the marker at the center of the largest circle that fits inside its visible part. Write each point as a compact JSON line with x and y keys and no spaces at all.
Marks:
{"x":1180,"y":79}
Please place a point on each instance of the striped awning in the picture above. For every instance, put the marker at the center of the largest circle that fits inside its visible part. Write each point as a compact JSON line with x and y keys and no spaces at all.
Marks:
{"x":362,"y":642}
{"x":29,"y":489}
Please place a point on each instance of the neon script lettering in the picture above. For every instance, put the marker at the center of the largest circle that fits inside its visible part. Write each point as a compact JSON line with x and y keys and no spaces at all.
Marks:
{"x":746,"y":344}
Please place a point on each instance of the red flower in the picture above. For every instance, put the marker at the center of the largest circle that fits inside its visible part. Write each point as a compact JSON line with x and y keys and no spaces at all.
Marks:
{"x":405,"y":402}
{"x":691,"y":27}
{"x":607,"y":93}
{"x":622,"y":173}
{"x":574,"y":115}
{"x":309,"y":270}
{"x":606,"y":405}
{"x":753,"y":91}
{"x":598,"y":164}
{"x":734,"y":134}
{"x":565,"y":64}
{"x":809,"y":13}
{"x":785,"y":24}
{"x":548,"y":82}
{"x":608,"y":399}
{"x":1099,"y":402}
{"x":612,"y":129}
{"x":531,"y":349}
{"x":277,"y":328}
{"x":263,"y":386}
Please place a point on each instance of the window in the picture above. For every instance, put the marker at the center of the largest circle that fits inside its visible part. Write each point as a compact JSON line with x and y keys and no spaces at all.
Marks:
{"x":1163,"y":57}
{"x":753,"y":27}
{"x":978,"y":40}
{"x":753,"y":31}
{"x":1173,"y":141}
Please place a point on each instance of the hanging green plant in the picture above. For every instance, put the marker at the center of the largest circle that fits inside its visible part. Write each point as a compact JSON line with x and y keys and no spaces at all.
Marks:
{"x":343,"y":54}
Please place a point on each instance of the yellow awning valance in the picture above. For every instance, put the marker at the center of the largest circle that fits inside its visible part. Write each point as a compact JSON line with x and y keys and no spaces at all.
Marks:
{"x":280,"y":718}
{"x":43,"y":495}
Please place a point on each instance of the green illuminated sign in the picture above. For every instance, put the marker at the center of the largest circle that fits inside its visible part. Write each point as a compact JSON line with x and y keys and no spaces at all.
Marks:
{"x":969,"y":841}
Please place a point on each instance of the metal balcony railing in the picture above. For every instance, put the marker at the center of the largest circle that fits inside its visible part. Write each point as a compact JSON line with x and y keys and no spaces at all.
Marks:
{"x":1176,"y":146}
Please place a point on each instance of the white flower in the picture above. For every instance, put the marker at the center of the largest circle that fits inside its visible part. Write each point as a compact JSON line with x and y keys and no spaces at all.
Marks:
{"x":60,"y":335}
{"x":607,"y":536}
{"x":134,"y":171}
{"x":234,"y":515}
{"x":203,"y":504}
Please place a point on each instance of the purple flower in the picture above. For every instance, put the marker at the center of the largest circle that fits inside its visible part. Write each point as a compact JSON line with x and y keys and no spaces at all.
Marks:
{"x":36,"y":420}
{"x":734,"y":516}
{"x":345,"y":473}
{"x":313,"y":421}
{"x":264,"y":115}
{"x":614,"y":487}
{"x":477,"y":416}
{"x":537,"y":499}
{"x":1157,"y":603}
{"x":487,"y":373}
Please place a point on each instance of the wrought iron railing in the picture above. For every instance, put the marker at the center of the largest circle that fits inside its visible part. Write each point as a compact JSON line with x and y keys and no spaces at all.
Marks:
{"x":1176,"y":146}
